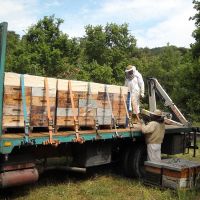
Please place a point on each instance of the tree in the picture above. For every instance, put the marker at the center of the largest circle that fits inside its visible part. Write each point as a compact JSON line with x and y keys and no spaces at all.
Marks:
{"x":111,"y":46}
{"x":196,"y":33}
{"x":47,"y":50}
{"x":12,"y":51}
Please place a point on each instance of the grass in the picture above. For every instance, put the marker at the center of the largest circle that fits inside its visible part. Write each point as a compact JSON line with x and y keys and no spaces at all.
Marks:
{"x":102,"y":183}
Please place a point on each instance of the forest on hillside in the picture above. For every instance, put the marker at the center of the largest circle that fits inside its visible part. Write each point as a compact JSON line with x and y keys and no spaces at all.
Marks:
{"x":102,"y":55}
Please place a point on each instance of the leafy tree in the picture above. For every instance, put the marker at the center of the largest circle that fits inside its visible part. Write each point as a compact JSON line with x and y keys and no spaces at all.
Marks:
{"x":48,"y":51}
{"x":13,"y":50}
{"x":94,"y":44}
{"x":112,"y":46}
{"x":196,"y":33}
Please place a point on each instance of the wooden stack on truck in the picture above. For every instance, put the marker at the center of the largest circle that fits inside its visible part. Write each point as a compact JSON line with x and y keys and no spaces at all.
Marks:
{"x":82,"y":124}
{"x":87,"y":102}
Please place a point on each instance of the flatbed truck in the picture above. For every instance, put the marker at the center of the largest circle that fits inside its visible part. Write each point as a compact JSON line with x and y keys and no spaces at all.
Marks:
{"x":22,"y":162}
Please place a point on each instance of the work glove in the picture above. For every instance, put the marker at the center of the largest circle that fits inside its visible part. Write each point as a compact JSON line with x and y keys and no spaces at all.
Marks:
{"x":142,"y":121}
{"x":142,"y":95}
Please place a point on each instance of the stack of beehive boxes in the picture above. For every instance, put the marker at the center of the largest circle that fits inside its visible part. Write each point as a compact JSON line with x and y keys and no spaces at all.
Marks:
{"x":173,"y":173}
{"x":36,"y":104}
{"x":89,"y":103}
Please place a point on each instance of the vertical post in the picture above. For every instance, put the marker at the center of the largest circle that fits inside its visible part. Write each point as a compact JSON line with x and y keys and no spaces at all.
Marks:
{"x":26,"y":120}
{"x":195,"y":142}
{"x":3,"y":37}
{"x":152,"y":96}
{"x":50,"y":120}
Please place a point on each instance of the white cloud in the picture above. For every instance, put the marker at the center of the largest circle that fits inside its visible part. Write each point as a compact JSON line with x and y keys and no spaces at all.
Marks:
{"x":176,"y":30}
{"x":52,"y":3}
{"x":19,"y":14}
{"x":152,"y":22}
{"x":141,"y":9}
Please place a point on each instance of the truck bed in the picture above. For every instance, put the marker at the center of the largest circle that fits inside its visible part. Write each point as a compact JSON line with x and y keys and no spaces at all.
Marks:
{"x":9,"y":140}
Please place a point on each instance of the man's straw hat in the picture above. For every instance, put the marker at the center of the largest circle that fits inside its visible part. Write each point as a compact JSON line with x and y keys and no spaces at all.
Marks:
{"x":130,"y":67}
{"x":158,"y":113}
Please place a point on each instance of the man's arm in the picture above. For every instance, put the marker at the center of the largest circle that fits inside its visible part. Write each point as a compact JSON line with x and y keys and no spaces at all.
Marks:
{"x":149,"y":128}
{"x":141,"y":84}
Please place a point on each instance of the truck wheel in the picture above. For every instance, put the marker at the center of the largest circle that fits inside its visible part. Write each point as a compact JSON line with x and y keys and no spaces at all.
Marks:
{"x":124,"y":161}
{"x":137,"y":156}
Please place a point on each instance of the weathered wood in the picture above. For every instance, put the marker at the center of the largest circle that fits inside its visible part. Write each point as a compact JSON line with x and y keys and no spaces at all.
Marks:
{"x":16,"y":90}
{"x":76,"y":95}
{"x":90,"y":102}
{"x":13,"y":121}
{"x":15,"y":100}
{"x":65,"y":103}
{"x":14,"y":110}
{"x":69,"y":121}
{"x":184,"y":173}
{"x":40,"y":92}
{"x":41,"y":101}
{"x":154,"y":170}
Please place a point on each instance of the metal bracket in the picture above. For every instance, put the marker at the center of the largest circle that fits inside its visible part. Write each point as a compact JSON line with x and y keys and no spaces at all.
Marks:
{"x":50,"y":120}
{"x":98,"y":136}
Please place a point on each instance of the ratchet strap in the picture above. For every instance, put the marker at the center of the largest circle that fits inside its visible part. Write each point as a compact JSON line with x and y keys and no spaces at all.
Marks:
{"x":50,"y":119}
{"x":26,"y":119}
{"x":88,"y":110}
{"x":113,"y":117}
{"x":76,"y":124}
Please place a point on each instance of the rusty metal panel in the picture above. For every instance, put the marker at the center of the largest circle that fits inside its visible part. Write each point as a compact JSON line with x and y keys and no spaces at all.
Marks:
{"x":18,"y":177}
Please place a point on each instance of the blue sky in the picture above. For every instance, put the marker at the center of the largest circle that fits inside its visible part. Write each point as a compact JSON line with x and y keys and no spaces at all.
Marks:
{"x":154,"y":23}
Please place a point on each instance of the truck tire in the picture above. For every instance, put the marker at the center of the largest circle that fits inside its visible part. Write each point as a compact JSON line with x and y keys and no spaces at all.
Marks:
{"x":124,"y":161}
{"x":137,"y":156}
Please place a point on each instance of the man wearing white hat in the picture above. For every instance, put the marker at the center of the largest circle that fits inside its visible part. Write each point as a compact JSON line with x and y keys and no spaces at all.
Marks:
{"x":154,"y":134}
{"x":135,"y":84}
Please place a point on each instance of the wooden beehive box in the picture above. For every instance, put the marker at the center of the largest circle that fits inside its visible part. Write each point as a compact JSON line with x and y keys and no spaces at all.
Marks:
{"x":173,"y":173}
{"x":153,"y":173}
{"x":86,"y":102}
{"x":180,"y":173}
{"x":91,"y":103}
{"x":36,"y":104}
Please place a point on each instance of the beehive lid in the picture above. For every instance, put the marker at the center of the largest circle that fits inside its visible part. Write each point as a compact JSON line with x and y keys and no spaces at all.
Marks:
{"x":178,"y":164}
{"x":153,"y":164}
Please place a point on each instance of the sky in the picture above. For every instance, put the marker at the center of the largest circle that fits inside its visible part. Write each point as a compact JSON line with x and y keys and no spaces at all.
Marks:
{"x":153,"y":23}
